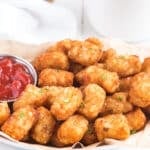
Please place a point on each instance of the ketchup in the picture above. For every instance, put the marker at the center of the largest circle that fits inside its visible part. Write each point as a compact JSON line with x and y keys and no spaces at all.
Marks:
{"x":14,"y":77}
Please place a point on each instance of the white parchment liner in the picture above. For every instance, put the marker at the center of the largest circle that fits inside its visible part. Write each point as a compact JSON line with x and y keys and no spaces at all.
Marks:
{"x":138,"y":141}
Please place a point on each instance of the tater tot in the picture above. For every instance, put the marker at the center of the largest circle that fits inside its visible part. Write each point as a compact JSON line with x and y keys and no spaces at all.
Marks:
{"x":95,"y":41}
{"x":112,"y":106}
{"x":32,"y":95}
{"x":20,"y":122}
{"x":139,"y":91}
{"x":125,"y":84}
{"x":94,"y":97}
{"x":44,"y":127}
{"x":94,"y":74}
{"x":55,"y":77}
{"x":146,"y":65}
{"x":90,"y":135}
{"x":51,"y":59}
{"x":4,"y":112}
{"x":112,"y":126}
{"x":62,"y":46}
{"x":124,"y":65}
{"x":52,"y":91}
{"x":123,"y":98}
{"x":86,"y":53}
{"x":117,"y":103}
{"x":66,"y":103}
{"x":108,"y":54}
{"x":72,"y":130}
{"x":136,"y":119}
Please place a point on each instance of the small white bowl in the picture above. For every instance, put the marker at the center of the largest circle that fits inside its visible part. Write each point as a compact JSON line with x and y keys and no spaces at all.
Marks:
{"x":31,"y":70}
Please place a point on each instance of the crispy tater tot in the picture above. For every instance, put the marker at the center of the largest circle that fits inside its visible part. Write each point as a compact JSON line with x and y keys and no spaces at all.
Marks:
{"x":124,"y":65}
{"x":52,"y":59}
{"x":146,"y":65}
{"x":72,"y":130}
{"x":20,"y":122}
{"x":108,"y":54}
{"x":94,"y":97}
{"x":55,"y":77}
{"x":90,"y":135}
{"x":117,"y":103}
{"x":123,"y":98}
{"x":66,"y":103}
{"x":62,"y":46}
{"x":140,"y":90}
{"x":125,"y":84}
{"x":52,"y":91}
{"x":112,"y":126}
{"x":112,"y":106}
{"x":32,"y":95}
{"x":86,"y":53}
{"x":94,"y":74}
{"x":4,"y":112}
{"x":136,"y":119}
{"x":44,"y":127}
{"x":95,"y":41}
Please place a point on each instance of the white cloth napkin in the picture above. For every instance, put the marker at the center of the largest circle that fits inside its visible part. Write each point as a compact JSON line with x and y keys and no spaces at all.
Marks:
{"x":35,"y":21}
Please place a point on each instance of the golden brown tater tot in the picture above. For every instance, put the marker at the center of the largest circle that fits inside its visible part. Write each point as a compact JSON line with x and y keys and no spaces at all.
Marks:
{"x":52,"y":91}
{"x":85,"y":54}
{"x":108,"y":54}
{"x":139,"y":91}
{"x":43,"y":129}
{"x":62,"y":46}
{"x":4,"y":112}
{"x":112,"y":106}
{"x":72,"y":130}
{"x":95,"y":41}
{"x":94,"y":97}
{"x":94,"y":74}
{"x":66,"y":103}
{"x":123,"y":98}
{"x":52,"y":59}
{"x":20,"y":122}
{"x":124,"y":65}
{"x":136,"y":119}
{"x":32,"y":95}
{"x":55,"y":77}
{"x":112,"y":126}
{"x":146,"y":65}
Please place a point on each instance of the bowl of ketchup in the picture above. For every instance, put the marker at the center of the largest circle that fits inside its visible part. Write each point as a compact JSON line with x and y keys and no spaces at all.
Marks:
{"x":15,"y":74}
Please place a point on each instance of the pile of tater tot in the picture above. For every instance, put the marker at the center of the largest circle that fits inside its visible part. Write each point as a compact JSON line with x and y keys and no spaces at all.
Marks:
{"x":84,"y":94}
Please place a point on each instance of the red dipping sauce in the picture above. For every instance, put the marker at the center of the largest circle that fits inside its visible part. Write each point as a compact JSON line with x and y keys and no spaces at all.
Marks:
{"x":14,"y":77}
